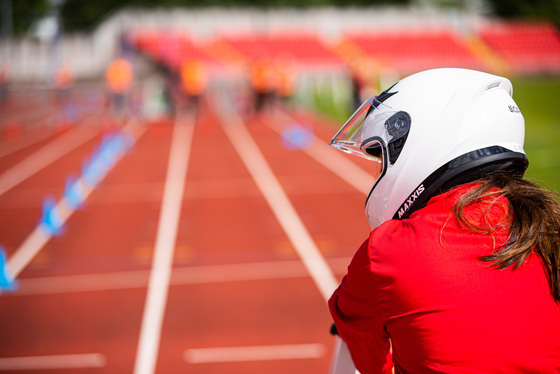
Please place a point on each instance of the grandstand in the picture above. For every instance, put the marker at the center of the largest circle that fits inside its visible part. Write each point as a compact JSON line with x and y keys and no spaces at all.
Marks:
{"x":410,"y":51}
{"x":405,"y":44}
{"x":170,"y":48}
{"x":405,"y":40}
{"x":305,"y":48}
{"x":528,"y":48}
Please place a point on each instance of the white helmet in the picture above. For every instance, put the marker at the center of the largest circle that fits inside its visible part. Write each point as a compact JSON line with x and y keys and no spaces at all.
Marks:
{"x":432,"y":131}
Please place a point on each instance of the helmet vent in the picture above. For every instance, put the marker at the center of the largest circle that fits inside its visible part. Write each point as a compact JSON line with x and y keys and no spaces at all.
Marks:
{"x":398,"y":126}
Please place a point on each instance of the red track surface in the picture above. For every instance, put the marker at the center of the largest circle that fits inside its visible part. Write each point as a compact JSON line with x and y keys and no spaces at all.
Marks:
{"x":236,"y":279}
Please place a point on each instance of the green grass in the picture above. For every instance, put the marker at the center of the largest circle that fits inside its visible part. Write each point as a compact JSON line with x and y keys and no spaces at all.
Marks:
{"x":539,"y":101}
{"x":537,"y":97}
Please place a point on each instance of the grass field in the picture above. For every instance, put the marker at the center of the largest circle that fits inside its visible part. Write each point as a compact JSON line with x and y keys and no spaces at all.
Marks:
{"x":539,"y":100}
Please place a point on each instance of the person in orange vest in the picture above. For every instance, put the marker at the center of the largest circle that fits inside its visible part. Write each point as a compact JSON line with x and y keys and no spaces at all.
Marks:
{"x":263,"y":84}
{"x":364,"y":75}
{"x":194,"y":81}
{"x":286,"y":81}
{"x":63,"y":81}
{"x":119,"y":79}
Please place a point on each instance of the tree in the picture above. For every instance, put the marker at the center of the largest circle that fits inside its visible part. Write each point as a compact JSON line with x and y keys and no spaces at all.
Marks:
{"x":82,"y":15}
{"x":18,"y":16}
{"x":534,"y":9}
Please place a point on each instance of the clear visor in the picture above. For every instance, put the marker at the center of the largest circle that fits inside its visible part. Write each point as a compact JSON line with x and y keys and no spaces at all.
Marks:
{"x":370,"y":129}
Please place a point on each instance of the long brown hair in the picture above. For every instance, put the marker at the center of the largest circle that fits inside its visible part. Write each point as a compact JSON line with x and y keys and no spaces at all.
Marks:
{"x":535,"y":223}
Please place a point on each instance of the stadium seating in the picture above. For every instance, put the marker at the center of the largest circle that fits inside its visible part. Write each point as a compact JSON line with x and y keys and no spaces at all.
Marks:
{"x":409,"y":51}
{"x":305,"y":49}
{"x":170,"y":49}
{"x":527,"y":47}
{"x":519,"y":48}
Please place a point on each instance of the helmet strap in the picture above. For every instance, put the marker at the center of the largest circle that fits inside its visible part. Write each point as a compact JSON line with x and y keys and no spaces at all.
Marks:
{"x":464,"y":169}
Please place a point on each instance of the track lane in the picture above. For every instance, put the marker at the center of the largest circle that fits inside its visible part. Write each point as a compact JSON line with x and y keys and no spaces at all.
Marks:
{"x":160,"y":274}
{"x":227,"y":232}
{"x":277,"y":199}
{"x":105,"y":235}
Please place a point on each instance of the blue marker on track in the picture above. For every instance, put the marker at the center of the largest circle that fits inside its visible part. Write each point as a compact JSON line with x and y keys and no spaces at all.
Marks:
{"x":296,"y":136}
{"x":51,"y":221}
{"x":7,"y":282}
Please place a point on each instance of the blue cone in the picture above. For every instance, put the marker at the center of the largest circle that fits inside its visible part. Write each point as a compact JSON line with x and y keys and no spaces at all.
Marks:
{"x":51,"y":220}
{"x":296,"y":136}
{"x":7,"y":282}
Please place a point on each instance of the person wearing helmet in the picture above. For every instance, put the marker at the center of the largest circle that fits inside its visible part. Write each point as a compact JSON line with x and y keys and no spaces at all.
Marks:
{"x":461,"y":270}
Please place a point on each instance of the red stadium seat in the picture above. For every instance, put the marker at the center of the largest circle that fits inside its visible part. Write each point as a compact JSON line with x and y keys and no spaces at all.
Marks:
{"x":408,"y":51}
{"x":527,"y":47}
{"x":304,"y":49}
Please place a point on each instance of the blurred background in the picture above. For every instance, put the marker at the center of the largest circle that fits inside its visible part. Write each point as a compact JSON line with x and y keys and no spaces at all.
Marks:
{"x":73,"y":72}
{"x":335,"y":52}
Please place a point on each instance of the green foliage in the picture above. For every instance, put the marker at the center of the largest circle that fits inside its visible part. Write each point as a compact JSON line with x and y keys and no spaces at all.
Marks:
{"x":536,"y":9}
{"x":84,"y":15}
{"x":24,"y":13}
{"x":79,"y":15}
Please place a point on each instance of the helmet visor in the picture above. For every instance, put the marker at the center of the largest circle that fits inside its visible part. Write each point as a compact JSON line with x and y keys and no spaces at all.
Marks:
{"x":371,"y":128}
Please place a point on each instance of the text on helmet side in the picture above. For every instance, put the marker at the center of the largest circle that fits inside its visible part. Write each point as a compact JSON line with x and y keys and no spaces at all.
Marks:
{"x":411,"y":199}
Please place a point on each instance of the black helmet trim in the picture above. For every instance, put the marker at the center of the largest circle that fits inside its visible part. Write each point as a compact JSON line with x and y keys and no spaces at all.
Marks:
{"x":463,"y":169}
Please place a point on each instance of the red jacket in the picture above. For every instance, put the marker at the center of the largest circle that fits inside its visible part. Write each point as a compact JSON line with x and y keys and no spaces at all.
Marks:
{"x":419,"y":284}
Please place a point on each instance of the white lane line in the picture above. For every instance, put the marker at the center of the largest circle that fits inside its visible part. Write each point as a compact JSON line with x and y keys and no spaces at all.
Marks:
{"x":82,"y":283}
{"x":333,"y":160}
{"x":341,"y":362}
{"x":254,"y":353}
{"x":341,"y":166}
{"x":156,"y":299}
{"x":77,"y":361}
{"x":9,"y":148}
{"x":181,"y":276}
{"x":40,"y":236}
{"x":44,"y":157}
{"x":279,"y":203}
{"x":36,"y":137}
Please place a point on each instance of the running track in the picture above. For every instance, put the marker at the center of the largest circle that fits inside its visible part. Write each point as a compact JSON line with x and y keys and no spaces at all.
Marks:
{"x":209,"y":247}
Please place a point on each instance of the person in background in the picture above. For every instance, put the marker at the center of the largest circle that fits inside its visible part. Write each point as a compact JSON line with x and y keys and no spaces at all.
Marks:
{"x":63,"y":79}
{"x":461,"y":271}
{"x":64,"y":82}
{"x":263,"y":82}
{"x":193,"y":83}
{"x":119,"y":78}
{"x":4,"y":82}
{"x":287,"y":77}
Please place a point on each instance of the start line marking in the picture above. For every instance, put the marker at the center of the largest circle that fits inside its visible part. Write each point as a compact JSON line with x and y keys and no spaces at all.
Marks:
{"x":254,"y":353}
{"x":88,"y":360}
{"x":242,"y":272}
